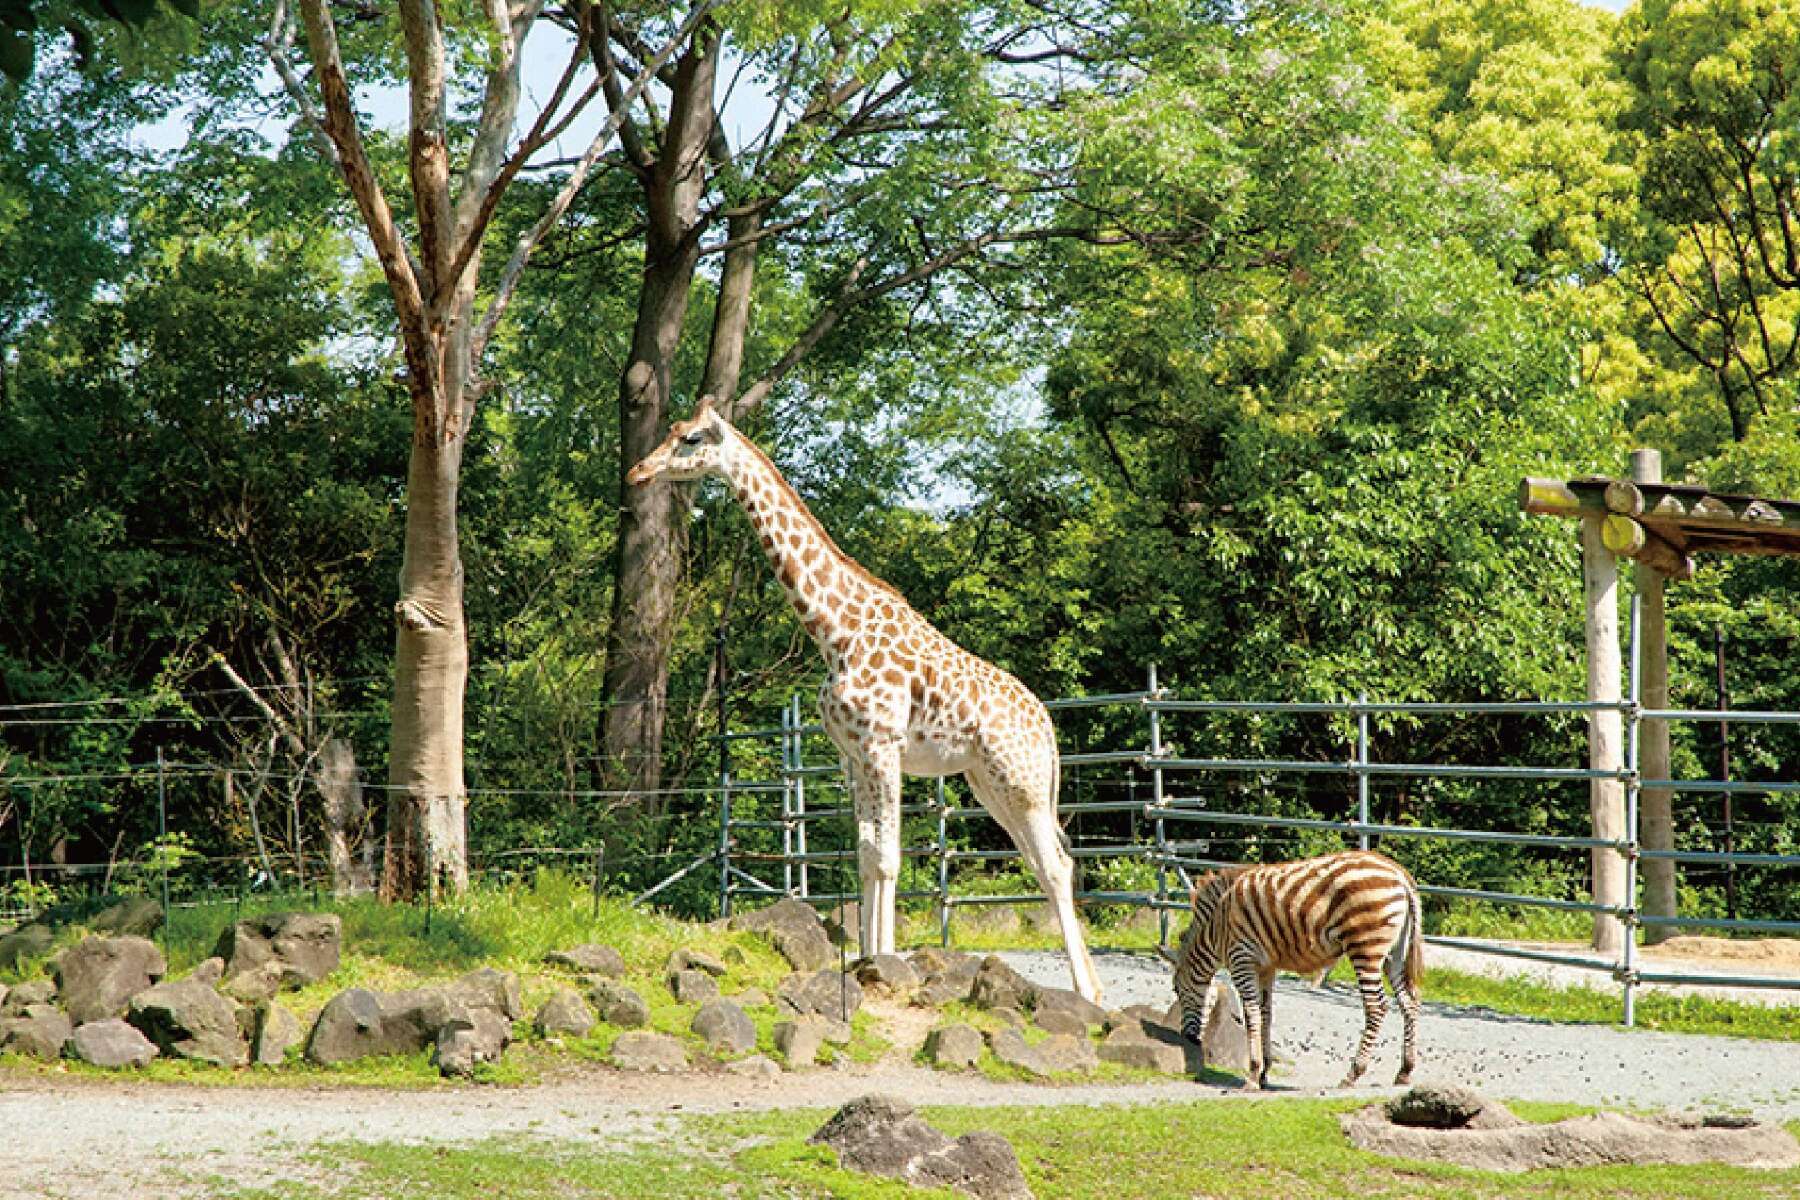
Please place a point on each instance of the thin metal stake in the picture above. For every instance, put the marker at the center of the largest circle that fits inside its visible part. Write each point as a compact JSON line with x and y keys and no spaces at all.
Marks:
{"x":1633,"y":729}
{"x":1362,"y":774}
{"x":1162,"y":832}
{"x":162,"y":835}
{"x":943,"y":857}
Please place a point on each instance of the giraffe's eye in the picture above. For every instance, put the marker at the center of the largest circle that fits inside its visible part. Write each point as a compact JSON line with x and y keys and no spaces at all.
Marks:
{"x":693,"y":439}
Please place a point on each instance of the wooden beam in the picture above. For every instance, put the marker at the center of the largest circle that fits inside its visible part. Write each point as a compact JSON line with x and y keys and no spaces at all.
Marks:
{"x":1606,"y":731}
{"x":1629,"y":539}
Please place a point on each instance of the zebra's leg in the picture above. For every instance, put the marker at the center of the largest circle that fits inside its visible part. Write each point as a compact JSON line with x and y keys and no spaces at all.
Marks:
{"x":1244,"y":982}
{"x":1407,"y":996}
{"x":1374,"y":1002}
{"x":1268,"y":1025}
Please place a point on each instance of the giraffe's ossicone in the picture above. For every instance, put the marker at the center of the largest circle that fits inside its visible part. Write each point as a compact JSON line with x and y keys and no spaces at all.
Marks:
{"x":898,"y":697}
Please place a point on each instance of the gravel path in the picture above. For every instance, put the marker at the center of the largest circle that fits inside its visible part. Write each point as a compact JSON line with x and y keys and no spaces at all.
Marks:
{"x":99,"y":1139}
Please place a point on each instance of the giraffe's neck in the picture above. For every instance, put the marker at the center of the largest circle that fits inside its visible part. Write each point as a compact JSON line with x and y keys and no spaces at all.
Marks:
{"x":829,"y":591}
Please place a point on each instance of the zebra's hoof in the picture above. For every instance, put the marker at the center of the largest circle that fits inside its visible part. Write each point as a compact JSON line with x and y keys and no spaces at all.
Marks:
{"x":1404,"y":1077}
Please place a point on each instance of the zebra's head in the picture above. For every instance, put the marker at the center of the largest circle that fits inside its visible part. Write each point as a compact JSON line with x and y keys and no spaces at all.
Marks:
{"x":1196,"y":960}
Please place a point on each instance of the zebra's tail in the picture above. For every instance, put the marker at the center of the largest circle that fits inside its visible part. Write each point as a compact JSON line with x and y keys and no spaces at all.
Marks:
{"x":1415,"y":941}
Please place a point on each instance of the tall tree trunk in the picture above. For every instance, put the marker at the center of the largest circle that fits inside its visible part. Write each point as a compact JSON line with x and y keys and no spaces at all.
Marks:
{"x":652,"y":521}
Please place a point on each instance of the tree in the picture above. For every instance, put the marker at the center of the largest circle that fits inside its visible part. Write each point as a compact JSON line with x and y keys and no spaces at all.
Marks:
{"x":432,"y":279}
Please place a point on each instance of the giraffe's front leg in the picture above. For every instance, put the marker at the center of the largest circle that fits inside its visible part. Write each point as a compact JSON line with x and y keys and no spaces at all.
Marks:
{"x":875,"y":782}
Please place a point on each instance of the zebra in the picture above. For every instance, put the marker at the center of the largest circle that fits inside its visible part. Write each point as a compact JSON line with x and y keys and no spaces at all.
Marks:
{"x":1302,"y":917}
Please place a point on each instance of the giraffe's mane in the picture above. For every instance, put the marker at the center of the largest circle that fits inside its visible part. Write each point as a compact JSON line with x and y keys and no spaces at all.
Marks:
{"x":856,"y":568}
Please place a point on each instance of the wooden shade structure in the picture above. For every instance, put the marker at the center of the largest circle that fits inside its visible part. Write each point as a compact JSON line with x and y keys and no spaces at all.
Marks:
{"x":1660,"y":526}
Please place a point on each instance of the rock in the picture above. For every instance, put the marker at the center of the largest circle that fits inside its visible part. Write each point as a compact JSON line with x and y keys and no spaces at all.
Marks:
{"x":882,"y":1135}
{"x":23,"y":995}
{"x":799,"y":1040}
{"x":590,"y":958}
{"x":1059,"y":1020}
{"x":210,"y":971}
{"x":795,"y":930}
{"x":953,"y":1046}
{"x":25,"y":942}
{"x":188,"y":1019}
{"x":838,"y":1033}
{"x":931,"y":960}
{"x":1009,"y":1015}
{"x":1446,"y":1106}
{"x":940,"y":990}
{"x":1011,"y":1048}
{"x":999,"y":986}
{"x":98,"y":976}
{"x":693,"y":987}
{"x":640,"y":1051}
{"x":277,"y":1030}
{"x":887,"y":972}
{"x":1062,"y":1052}
{"x":695,"y":960}
{"x":752,"y":998}
{"x":1130,"y":1046}
{"x":757,"y":1066}
{"x":135,"y":916}
{"x":304,"y":947}
{"x":618,"y":1005}
{"x":827,"y":993}
{"x":492,"y":989}
{"x":39,"y":1030}
{"x":469,"y":1038}
{"x":564,"y":1014}
{"x":843,"y":923}
{"x":257,"y":985}
{"x":349,"y":1027}
{"x":724,"y":1027}
{"x":1226,"y":1045}
{"x":111,"y":1043}
{"x":1066,"y":1000}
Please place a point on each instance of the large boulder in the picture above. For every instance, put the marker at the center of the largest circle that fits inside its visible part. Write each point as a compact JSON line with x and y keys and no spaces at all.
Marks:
{"x":279,"y":950}
{"x":882,"y":1135}
{"x":695,"y":960}
{"x":276,"y":1031}
{"x":999,"y":986}
{"x":618,"y":1004}
{"x":1062,"y":1053}
{"x":188,"y":1019}
{"x":38,"y":1030}
{"x":799,"y":1040}
{"x":359,"y":1023}
{"x":1067,"y":1000}
{"x":589,"y":958}
{"x":724,"y":1027}
{"x":795,"y":930}
{"x":828,"y":993}
{"x":23,"y":995}
{"x":953,"y":1046}
{"x":111,"y":1043}
{"x":350,"y":1027}
{"x":888,"y":973}
{"x":948,"y":975}
{"x":1448,"y":1106}
{"x":641,"y":1051}
{"x":564,"y":1014}
{"x":492,"y":989}
{"x":692,"y":987}
{"x":1132,"y":1046}
{"x":469,"y":1038}
{"x":98,"y":976}
{"x":134,"y":916}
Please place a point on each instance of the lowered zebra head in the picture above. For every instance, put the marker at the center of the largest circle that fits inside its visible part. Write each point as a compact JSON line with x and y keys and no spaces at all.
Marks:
{"x":1196,"y":959}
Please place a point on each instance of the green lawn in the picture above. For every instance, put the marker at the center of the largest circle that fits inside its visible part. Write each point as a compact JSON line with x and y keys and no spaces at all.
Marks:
{"x":1280,"y":1149}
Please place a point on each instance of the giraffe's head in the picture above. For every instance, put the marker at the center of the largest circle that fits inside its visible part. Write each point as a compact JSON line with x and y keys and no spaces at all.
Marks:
{"x":694,"y":447}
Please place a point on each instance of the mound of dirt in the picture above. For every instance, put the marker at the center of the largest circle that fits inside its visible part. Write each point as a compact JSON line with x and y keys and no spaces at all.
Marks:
{"x":1782,"y":954}
{"x":1603,"y":1139}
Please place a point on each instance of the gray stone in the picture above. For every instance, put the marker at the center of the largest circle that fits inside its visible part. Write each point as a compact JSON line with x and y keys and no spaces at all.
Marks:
{"x":695,"y":960}
{"x":618,"y":1005}
{"x":724,"y":1027}
{"x":304,"y":946}
{"x":25,"y":942}
{"x":827,"y":993}
{"x":98,"y":976}
{"x":470,"y":1038}
{"x":1059,"y":1020}
{"x":1061,"y":1052}
{"x":590,"y":958}
{"x":210,"y":971}
{"x":693,"y":987}
{"x":752,"y":998}
{"x":795,"y":930}
{"x":135,"y":916}
{"x":799,"y":1040}
{"x":932,"y":960}
{"x":1009,"y":1015}
{"x":888,"y":972}
{"x":111,"y":1043}
{"x":1224,"y":1041}
{"x":1130,"y":1046}
{"x":953,"y":1046}
{"x":564,"y":1014}
{"x":188,"y":1019}
{"x":1066,"y":1000}
{"x":277,"y":1031}
{"x":999,"y":986}
{"x":639,"y":1051}
{"x":39,"y":1030}
{"x":257,"y":985}
{"x":757,"y":1066}
{"x":882,"y":1135}
{"x":492,"y":989}
{"x":349,"y":1027}
{"x":838,"y":1033}
{"x":1446,"y":1106}
{"x":23,"y":995}
{"x":1011,"y":1048}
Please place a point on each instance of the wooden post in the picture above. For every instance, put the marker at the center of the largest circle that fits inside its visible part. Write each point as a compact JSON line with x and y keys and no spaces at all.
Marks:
{"x":1654,"y":804}
{"x":1606,"y":729}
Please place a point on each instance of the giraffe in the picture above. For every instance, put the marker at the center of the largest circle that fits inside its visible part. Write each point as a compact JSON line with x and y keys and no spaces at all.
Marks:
{"x":898,"y":695}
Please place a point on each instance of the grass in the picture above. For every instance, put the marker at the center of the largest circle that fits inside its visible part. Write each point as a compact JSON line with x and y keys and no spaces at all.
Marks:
{"x":1277,"y":1149}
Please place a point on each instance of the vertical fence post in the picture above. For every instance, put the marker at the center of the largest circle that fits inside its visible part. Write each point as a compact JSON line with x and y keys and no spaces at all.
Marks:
{"x":1731,"y":897}
{"x":162,"y":833}
{"x":724,"y":780}
{"x":599,"y":870}
{"x":1156,"y":798}
{"x":800,"y":792}
{"x":1633,"y":747}
{"x":943,"y":863}
{"x":1362,"y":770}
{"x":787,"y":799}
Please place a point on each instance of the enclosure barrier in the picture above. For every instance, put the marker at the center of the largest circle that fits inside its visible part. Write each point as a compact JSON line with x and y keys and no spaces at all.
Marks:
{"x":1171,"y":857}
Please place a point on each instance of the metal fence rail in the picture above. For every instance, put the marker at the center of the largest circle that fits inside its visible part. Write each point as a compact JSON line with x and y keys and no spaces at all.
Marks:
{"x":1171,"y":857}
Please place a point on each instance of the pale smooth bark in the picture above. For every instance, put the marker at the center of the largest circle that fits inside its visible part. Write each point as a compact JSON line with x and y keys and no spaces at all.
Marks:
{"x":1606,"y":731}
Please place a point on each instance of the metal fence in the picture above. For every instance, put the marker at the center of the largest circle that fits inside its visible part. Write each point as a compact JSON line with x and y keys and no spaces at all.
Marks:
{"x":1172,"y":813}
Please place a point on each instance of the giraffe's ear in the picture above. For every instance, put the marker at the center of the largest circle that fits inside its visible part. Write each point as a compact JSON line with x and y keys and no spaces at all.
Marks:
{"x":705,"y":409}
